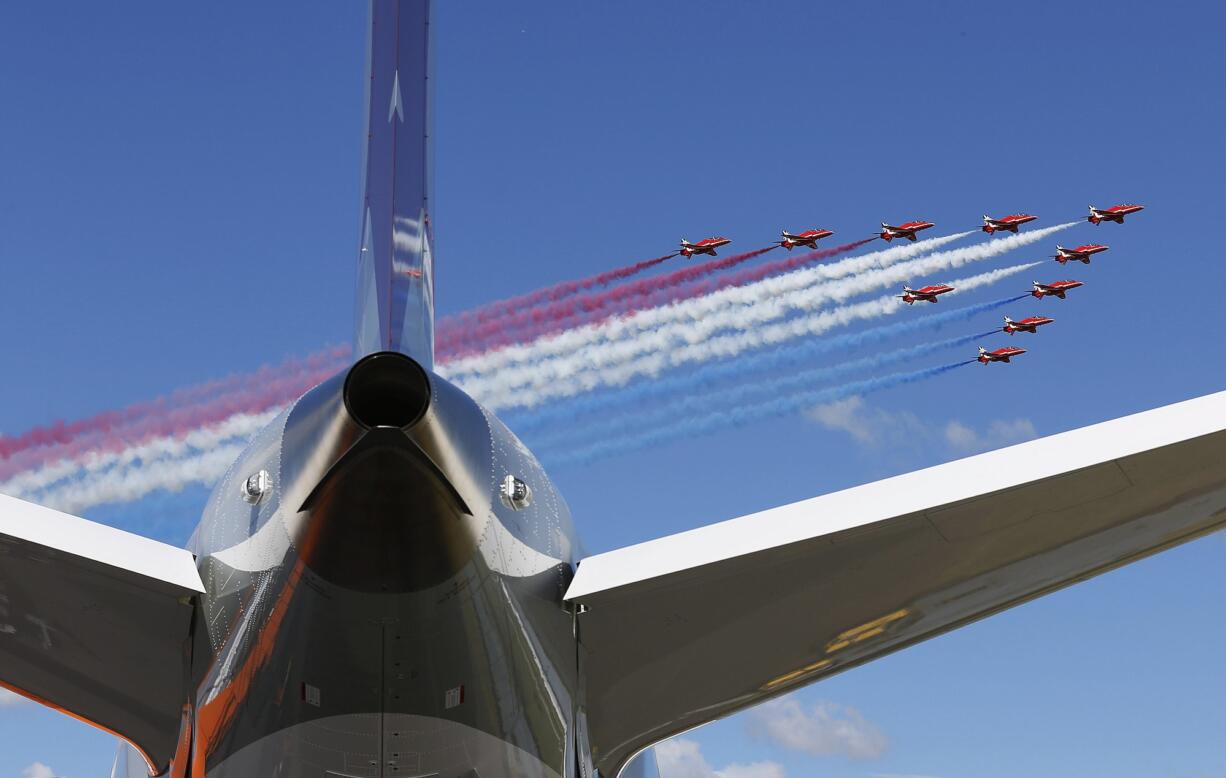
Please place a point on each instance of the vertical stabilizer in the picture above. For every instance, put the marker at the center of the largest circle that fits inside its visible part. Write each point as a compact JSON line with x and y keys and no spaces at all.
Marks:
{"x":395,"y":284}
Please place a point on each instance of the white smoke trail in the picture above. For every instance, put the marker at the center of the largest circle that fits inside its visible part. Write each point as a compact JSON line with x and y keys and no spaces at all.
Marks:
{"x":777,"y":305}
{"x":56,"y":484}
{"x":689,"y":310}
{"x":720,"y":347}
{"x":138,"y":479}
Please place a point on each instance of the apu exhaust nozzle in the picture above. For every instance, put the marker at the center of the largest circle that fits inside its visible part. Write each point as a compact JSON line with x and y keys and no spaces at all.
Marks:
{"x":387,"y":389}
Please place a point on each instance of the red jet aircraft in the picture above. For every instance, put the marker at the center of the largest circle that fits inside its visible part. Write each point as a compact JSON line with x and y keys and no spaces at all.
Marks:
{"x":1079,"y":254}
{"x":1029,"y":324}
{"x":1000,"y":354}
{"x":704,"y":246}
{"x":1054,"y":289}
{"x":890,"y":232}
{"x":1008,"y":223}
{"x":807,"y":238}
{"x":1115,"y":213}
{"x":928,"y":294}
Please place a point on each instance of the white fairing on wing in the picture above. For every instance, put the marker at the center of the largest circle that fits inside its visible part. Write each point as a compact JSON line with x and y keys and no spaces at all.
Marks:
{"x":96,"y":621}
{"x":684,"y":629}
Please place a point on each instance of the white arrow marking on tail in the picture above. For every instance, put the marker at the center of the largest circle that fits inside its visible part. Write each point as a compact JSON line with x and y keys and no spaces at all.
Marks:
{"x":397,"y":107}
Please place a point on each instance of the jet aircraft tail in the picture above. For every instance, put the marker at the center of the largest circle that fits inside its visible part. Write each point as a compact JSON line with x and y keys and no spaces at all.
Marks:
{"x":395,"y":284}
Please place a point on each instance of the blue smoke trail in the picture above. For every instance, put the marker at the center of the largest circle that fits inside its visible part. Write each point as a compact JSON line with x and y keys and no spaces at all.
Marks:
{"x":704,"y":376}
{"x":689,"y":404}
{"x":740,"y":415}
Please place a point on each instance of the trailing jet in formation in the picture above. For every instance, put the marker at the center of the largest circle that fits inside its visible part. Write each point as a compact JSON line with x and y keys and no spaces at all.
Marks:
{"x":387,"y":583}
{"x":704,"y":246}
{"x":1007,"y":224}
{"x":928,"y":294}
{"x":1115,"y":213}
{"x":1054,"y":289}
{"x":1080,"y":253}
{"x":906,"y":230}
{"x":808,"y":238}
{"x":1000,"y":354}
{"x":1029,"y":324}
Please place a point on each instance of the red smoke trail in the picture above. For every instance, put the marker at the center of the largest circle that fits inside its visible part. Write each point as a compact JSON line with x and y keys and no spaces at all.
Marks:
{"x":553,"y":293}
{"x":628,"y":298}
{"x":541,"y":319}
{"x":180,"y":413}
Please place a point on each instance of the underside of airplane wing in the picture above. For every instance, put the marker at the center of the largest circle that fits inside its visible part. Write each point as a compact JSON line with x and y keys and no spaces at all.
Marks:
{"x":96,"y":622}
{"x":684,"y":629}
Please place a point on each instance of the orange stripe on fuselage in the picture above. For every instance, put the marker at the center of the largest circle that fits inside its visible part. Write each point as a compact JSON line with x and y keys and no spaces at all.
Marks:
{"x":215,"y":717}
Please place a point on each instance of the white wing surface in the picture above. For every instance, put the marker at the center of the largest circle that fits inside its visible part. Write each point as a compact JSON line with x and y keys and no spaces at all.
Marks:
{"x":685,"y":629}
{"x":96,"y":622}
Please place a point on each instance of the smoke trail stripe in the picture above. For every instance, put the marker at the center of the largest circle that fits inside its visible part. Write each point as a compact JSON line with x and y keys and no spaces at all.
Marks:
{"x":530,"y":325}
{"x":578,"y":379}
{"x":701,"y":399}
{"x":757,"y":311}
{"x":621,"y":329}
{"x":707,"y":374}
{"x":738,"y":416}
{"x":451,"y":326}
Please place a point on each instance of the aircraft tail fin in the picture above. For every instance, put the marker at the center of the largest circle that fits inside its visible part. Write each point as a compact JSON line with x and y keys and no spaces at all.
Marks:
{"x":395,"y":284}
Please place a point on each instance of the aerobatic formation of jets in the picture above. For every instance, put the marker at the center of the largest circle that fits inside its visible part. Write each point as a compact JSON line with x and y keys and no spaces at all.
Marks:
{"x":931,"y":292}
{"x":910,"y":230}
{"x":386,"y":581}
{"x":1060,"y":289}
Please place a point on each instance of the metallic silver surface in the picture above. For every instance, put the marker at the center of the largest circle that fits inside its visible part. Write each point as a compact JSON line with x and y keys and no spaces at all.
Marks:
{"x":515,"y":494}
{"x":798,"y":593}
{"x":395,"y":288}
{"x":384,"y":574}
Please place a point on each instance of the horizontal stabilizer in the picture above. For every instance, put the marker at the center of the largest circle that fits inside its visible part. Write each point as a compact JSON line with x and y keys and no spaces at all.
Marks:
{"x":96,"y":622}
{"x":682,"y":630}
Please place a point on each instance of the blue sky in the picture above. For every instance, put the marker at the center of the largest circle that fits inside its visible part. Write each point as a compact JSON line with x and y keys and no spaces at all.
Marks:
{"x":178,"y":192}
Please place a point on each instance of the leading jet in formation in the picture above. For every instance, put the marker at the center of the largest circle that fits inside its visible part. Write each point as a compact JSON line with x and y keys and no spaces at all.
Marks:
{"x":386,"y":583}
{"x":1115,"y":213}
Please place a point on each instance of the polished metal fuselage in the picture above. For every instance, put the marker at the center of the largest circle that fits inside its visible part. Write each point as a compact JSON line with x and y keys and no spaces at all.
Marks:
{"x":382,"y":611}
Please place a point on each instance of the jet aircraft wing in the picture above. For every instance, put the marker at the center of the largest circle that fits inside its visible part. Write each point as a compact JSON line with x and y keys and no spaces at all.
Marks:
{"x":96,"y":622}
{"x":685,"y":629}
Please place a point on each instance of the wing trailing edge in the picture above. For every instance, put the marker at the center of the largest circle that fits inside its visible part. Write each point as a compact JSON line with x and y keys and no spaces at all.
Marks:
{"x":96,"y":622}
{"x":685,"y":629}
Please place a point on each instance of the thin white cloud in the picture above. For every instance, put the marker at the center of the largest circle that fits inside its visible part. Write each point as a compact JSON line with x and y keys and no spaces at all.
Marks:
{"x":823,"y":729}
{"x":38,"y":770}
{"x":999,"y":433}
{"x":10,"y":699}
{"x":682,"y":758}
{"x":899,"y":775}
{"x":872,"y":427}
